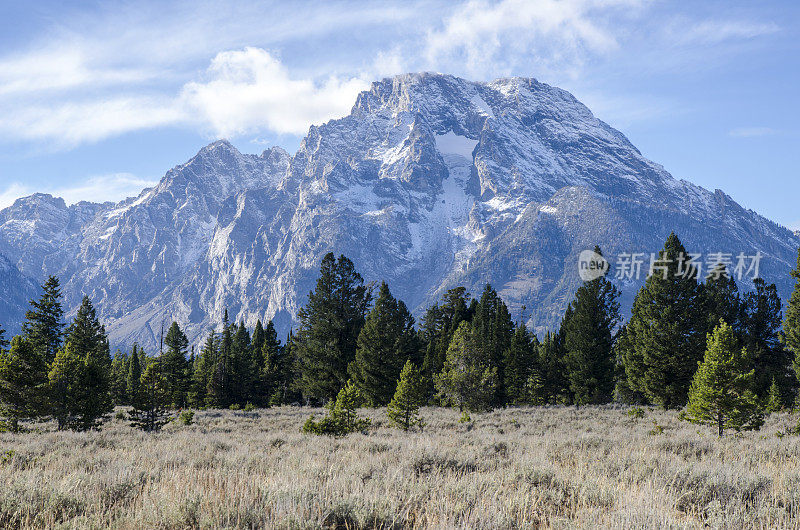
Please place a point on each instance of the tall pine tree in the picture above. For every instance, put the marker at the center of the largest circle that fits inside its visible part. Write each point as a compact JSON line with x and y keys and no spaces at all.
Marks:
{"x":387,"y":340}
{"x":330,"y":322}
{"x":23,"y":382}
{"x":468,"y":379}
{"x":44,"y":322}
{"x":520,"y":362}
{"x":494,"y":330}
{"x":791,"y":324}
{"x":589,"y":341}
{"x":666,"y":330}
{"x":175,"y":367}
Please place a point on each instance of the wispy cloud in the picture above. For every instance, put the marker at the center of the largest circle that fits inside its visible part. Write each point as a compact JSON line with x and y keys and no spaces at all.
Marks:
{"x":718,"y":31}
{"x":751,"y":132}
{"x":100,"y":188}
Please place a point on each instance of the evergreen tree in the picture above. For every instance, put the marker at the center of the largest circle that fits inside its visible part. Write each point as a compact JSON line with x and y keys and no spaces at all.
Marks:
{"x":243,"y":375}
{"x":174,"y":366}
{"x":275,"y":368}
{"x":119,"y":378}
{"x":555,"y":386}
{"x":44,"y":322}
{"x":623,"y":393}
{"x":720,"y":393}
{"x":330,"y":322}
{"x":64,"y":386}
{"x":468,"y":378}
{"x":494,"y":330}
{"x":771,"y":361}
{"x":342,"y":418}
{"x":589,"y":341}
{"x":403,"y":409}
{"x":23,"y":380}
{"x":721,"y":301}
{"x":202,"y":370}
{"x":439,"y":324}
{"x":666,"y":330}
{"x":219,"y":392}
{"x":520,"y":363}
{"x":151,"y":403}
{"x":791,"y":324}
{"x":774,"y":398}
{"x":88,"y":338}
{"x":387,"y":340}
{"x":3,"y":342}
{"x":134,"y":374}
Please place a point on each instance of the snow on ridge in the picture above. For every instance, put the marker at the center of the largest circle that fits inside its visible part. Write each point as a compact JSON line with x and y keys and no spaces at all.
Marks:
{"x":451,"y":143}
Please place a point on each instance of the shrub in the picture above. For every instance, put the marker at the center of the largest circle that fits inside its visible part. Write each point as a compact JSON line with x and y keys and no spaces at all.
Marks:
{"x":186,"y":417}
{"x":235,"y":406}
{"x":249,"y":407}
{"x":341,"y":418}
{"x":636,"y":413}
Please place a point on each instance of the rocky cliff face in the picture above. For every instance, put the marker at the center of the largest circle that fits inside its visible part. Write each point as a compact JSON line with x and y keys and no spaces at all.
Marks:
{"x":430,"y":182}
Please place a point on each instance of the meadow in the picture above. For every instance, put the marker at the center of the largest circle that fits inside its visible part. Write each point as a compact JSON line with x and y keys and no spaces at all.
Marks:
{"x":537,"y":467}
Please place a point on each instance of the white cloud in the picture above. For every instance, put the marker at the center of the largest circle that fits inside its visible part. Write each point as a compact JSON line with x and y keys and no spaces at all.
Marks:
{"x":550,"y":34}
{"x":718,"y":31}
{"x":751,"y":132}
{"x":100,"y":188}
{"x":248,"y":90}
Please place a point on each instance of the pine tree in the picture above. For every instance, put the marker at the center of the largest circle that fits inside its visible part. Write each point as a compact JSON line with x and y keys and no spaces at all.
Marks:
{"x":202,"y":370}
{"x":330,"y":322}
{"x":119,"y":378}
{"x":520,"y":363}
{"x":3,"y":341}
{"x":666,"y":330}
{"x":721,"y":301}
{"x":623,"y":393}
{"x":23,"y":380}
{"x":44,"y":323}
{"x":219,"y":392}
{"x":762,"y":327}
{"x":439,"y":324}
{"x":150,"y":405}
{"x":494,"y":331}
{"x":555,"y":384}
{"x":403,"y":409}
{"x":175,"y":367}
{"x":275,"y":367}
{"x":134,"y":374}
{"x":720,"y":393}
{"x":791,"y":324}
{"x":64,"y":386}
{"x":589,"y":341}
{"x":88,"y":338}
{"x":387,"y":340}
{"x":243,"y":374}
{"x":774,"y":398}
{"x":342,"y":418}
{"x":468,"y":379}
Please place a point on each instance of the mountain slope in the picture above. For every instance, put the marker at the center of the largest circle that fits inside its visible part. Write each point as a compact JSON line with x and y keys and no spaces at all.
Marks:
{"x":430,"y":182}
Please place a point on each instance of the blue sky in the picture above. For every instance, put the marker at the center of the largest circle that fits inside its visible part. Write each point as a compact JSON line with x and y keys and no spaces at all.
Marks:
{"x":99,"y":99}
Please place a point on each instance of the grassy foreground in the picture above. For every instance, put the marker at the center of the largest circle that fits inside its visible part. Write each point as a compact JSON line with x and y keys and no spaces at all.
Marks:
{"x":516,"y":468}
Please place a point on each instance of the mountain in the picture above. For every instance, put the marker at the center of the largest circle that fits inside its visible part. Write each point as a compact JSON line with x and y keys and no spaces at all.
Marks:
{"x":15,"y":291}
{"x":430,"y":182}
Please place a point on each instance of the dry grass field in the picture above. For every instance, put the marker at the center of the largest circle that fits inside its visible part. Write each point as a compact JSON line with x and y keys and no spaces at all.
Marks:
{"x":516,"y":468}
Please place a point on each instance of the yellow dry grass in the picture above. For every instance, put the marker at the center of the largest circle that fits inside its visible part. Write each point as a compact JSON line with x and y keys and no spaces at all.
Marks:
{"x":515,"y":468}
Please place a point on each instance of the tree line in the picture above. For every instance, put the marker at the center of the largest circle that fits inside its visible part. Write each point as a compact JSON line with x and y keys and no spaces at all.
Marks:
{"x":689,"y":340}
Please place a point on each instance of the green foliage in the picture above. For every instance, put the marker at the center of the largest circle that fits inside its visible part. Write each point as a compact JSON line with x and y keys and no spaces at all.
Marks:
{"x":721,"y":391}
{"x":330,"y":322}
{"x":249,"y":407}
{"x":551,"y":385}
{"x":666,"y":330}
{"x":80,"y":375}
{"x":23,"y":380}
{"x":186,"y":417}
{"x":386,"y":341}
{"x":467,"y":380}
{"x":636,"y":413}
{"x":774,"y":398}
{"x":465,"y":417}
{"x":589,"y":341}
{"x":770,"y":359}
{"x":439,"y":324}
{"x":134,"y":374}
{"x":341,"y":418}
{"x":791,"y":324}
{"x":276,"y":370}
{"x":175,"y":366}
{"x":520,"y":363}
{"x":150,"y":406}
{"x":44,"y":322}
{"x":493,"y":331}
{"x":403,"y":409}
{"x":119,"y":378}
